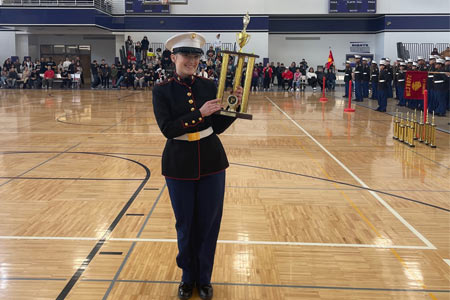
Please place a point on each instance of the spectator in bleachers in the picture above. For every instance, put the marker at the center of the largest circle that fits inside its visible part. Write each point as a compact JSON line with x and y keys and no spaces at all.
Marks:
{"x":60,"y":67}
{"x":12,"y":78}
{"x":151,"y":55}
{"x":331,"y":79}
{"x":210,"y":54}
{"x":37,"y":65}
{"x":95,"y":74}
{"x":435,"y":51}
{"x":158,"y":53}
{"x":203,"y":72}
{"x":149,"y":77}
{"x":43,"y":65}
{"x":106,"y":75}
{"x":49,"y":76}
{"x":129,"y":45}
{"x":3,"y":77}
{"x":26,"y":77}
{"x":27,"y":63}
{"x":297,"y":79}
{"x":121,"y":76}
{"x":267,"y":74}
{"x":144,"y":47}
{"x":303,"y":66}
{"x":292,"y":67}
{"x":35,"y":79}
{"x":165,"y":60}
{"x":128,"y":78}
{"x":66,"y":79}
{"x":78,"y":75}
{"x":51,"y":63}
{"x":445,"y":53}
{"x":114,"y":75}
{"x":67,"y":63}
{"x":218,"y":44}
{"x":288,"y":77}
{"x":255,"y":77}
{"x":138,"y":51}
{"x":7,"y":64}
{"x":139,"y":79}
{"x":312,"y":78}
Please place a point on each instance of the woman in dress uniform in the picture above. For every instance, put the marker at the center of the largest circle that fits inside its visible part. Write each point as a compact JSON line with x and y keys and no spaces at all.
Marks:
{"x":193,"y":161}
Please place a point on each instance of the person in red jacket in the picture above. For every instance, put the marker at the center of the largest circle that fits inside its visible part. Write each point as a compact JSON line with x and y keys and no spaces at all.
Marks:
{"x":288,"y":76}
{"x":49,"y":75}
{"x":267,"y":75}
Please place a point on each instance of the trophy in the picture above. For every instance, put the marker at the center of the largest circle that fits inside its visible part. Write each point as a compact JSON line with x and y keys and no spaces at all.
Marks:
{"x":232,"y":109}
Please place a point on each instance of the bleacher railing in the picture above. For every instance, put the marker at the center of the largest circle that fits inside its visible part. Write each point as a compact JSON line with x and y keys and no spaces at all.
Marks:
{"x":423,"y":49}
{"x":104,"y":5}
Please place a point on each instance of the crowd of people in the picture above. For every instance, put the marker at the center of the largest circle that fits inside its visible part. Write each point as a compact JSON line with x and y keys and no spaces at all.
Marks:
{"x":41,"y":73}
{"x":144,"y":68}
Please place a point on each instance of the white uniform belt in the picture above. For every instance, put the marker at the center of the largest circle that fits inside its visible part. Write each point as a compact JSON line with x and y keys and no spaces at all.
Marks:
{"x":364,"y":73}
{"x":347,"y":74}
{"x":439,"y":81}
{"x":401,"y":80}
{"x":374,"y":75}
{"x":357,"y":72}
{"x":195,"y":136}
{"x":430,"y":76}
{"x":381,"y":80}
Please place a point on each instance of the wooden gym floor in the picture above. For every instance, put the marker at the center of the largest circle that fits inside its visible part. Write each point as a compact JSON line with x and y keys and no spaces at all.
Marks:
{"x":320,"y":204}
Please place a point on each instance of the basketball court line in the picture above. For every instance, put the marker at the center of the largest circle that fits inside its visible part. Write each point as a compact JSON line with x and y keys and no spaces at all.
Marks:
{"x":234,"y":242}
{"x":362,"y":183}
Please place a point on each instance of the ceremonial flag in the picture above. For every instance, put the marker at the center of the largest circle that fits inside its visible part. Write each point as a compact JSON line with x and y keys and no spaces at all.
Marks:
{"x":330,"y":60}
{"x":415,"y":84}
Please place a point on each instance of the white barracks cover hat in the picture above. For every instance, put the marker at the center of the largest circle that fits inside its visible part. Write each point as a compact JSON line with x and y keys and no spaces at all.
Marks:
{"x":190,"y":42}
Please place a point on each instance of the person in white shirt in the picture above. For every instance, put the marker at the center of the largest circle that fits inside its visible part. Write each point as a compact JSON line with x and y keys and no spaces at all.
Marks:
{"x":312,"y":78}
{"x":66,"y":64}
{"x":218,"y":44}
{"x":203,"y":73}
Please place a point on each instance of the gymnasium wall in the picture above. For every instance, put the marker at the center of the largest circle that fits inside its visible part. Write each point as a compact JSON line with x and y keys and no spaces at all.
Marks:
{"x":315,"y":48}
{"x":100,"y":47}
{"x":7,"y":45}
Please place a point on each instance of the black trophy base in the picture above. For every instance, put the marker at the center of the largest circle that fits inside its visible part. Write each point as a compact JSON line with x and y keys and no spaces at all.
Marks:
{"x":234,"y":114}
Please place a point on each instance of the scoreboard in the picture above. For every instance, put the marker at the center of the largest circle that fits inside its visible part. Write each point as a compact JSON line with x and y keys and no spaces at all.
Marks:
{"x":138,"y":7}
{"x":353,"y":6}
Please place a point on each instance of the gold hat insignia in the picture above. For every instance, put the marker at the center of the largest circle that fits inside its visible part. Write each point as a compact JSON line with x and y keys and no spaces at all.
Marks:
{"x":193,"y":36}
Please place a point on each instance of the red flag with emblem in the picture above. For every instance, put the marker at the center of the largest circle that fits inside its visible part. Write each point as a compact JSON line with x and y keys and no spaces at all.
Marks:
{"x":415,"y":84}
{"x":330,"y":60}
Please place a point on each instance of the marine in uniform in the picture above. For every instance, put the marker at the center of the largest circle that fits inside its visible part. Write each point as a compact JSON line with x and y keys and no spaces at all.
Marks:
{"x":374,"y":72}
{"x":390,"y":72}
{"x":440,"y":87}
{"x":431,"y":68}
{"x":400,"y":84}
{"x":366,"y":78}
{"x":347,"y":76}
{"x":382,"y":87}
{"x":193,"y":161}
{"x":358,"y":76}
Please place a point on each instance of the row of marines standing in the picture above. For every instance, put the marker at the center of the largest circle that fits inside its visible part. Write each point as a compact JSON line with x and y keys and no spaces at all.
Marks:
{"x":384,"y":76}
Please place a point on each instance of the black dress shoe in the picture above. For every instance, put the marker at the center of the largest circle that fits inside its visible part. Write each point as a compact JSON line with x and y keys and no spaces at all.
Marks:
{"x":185,"y":290}
{"x":205,"y":291}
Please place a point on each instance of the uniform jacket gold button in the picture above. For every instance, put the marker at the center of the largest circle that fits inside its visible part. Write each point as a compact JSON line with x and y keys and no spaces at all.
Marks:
{"x":191,"y":101}
{"x":193,"y":121}
{"x":200,"y":118}
{"x":189,"y":94}
{"x":186,"y":124}
{"x":192,"y":109}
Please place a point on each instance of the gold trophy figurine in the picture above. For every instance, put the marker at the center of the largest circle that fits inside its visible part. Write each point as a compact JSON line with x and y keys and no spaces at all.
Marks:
{"x":396,"y":125}
{"x":243,"y":37}
{"x":232,"y":108}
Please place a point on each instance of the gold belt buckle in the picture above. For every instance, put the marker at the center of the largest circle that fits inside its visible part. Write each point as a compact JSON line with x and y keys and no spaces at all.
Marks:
{"x":192,"y":137}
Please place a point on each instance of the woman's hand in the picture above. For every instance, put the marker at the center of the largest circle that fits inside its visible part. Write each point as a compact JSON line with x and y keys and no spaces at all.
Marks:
{"x":210,"y":107}
{"x":238,"y":93}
